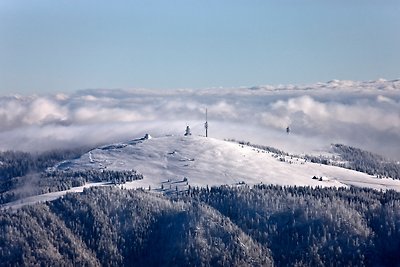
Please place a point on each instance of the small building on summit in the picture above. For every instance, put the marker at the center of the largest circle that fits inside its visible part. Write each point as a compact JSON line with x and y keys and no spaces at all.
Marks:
{"x":187,"y":131}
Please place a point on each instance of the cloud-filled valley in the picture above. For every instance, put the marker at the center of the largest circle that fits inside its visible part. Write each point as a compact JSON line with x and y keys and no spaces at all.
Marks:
{"x":362,"y":114}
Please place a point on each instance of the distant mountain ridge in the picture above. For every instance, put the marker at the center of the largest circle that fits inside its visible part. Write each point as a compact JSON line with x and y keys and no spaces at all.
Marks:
{"x":380,"y":84}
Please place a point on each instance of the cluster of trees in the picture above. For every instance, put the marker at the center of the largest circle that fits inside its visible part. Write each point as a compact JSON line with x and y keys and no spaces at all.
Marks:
{"x":20,"y":171}
{"x":115,"y":227}
{"x":17,"y":163}
{"x":24,"y":174}
{"x":261,"y":147}
{"x":314,"y":227}
{"x":92,"y":175}
{"x":221,"y":226}
{"x":359,"y":160}
{"x":55,"y":180}
{"x":355,"y":159}
{"x":367,"y":162}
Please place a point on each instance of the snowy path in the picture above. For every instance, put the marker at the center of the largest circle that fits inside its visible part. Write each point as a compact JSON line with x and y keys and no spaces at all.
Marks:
{"x":46,"y":197}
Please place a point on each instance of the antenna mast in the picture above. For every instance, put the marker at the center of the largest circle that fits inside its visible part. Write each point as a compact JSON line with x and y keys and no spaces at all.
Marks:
{"x":206,"y":124}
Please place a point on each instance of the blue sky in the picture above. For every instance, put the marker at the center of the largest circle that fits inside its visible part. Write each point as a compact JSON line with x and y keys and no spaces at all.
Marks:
{"x":62,"y":46}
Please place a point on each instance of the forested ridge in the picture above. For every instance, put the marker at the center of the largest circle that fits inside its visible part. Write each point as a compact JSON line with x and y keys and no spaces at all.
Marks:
{"x":219,"y":226}
{"x":24,"y":174}
{"x":364,"y":161}
{"x":263,"y":225}
{"x":346,"y":157}
{"x":18,"y":163}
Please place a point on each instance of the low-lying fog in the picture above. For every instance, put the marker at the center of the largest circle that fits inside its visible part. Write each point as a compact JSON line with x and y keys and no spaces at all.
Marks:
{"x":361,"y":114}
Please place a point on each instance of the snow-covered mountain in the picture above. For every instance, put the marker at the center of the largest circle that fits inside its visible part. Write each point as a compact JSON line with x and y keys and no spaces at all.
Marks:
{"x":175,"y":162}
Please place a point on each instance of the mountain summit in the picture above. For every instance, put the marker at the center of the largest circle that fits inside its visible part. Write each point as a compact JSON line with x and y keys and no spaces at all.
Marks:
{"x":173,"y":163}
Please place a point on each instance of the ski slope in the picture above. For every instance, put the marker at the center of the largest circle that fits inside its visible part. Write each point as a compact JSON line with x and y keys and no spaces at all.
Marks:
{"x":174,"y":162}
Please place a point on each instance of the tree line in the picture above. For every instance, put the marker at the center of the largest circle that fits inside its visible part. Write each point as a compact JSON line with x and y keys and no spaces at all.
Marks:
{"x":264,"y":225}
{"x":354,"y":159}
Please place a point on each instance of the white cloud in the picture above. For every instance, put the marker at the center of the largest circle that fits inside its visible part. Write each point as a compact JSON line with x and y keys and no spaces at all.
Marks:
{"x":43,"y":110}
{"x":223,"y":110}
{"x":90,"y":115}
{"x":361,"y":114}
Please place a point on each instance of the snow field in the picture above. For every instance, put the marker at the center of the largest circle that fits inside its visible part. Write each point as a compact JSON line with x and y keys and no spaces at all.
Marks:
{"x":208,"y":161}
{"x":173,"y":163}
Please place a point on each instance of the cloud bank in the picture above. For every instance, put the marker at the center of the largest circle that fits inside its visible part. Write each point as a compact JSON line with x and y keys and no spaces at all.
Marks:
{"x":362,"y":114}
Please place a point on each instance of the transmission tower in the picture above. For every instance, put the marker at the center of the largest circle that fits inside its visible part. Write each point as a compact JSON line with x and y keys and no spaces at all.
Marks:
{"x":206,"y":125}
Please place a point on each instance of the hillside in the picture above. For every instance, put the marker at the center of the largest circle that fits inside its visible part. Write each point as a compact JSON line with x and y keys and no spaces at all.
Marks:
{"x":273,"y":212}
{"x":176,"y":162}
{"x":222,"y":226}
{"x":173,"y":164}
